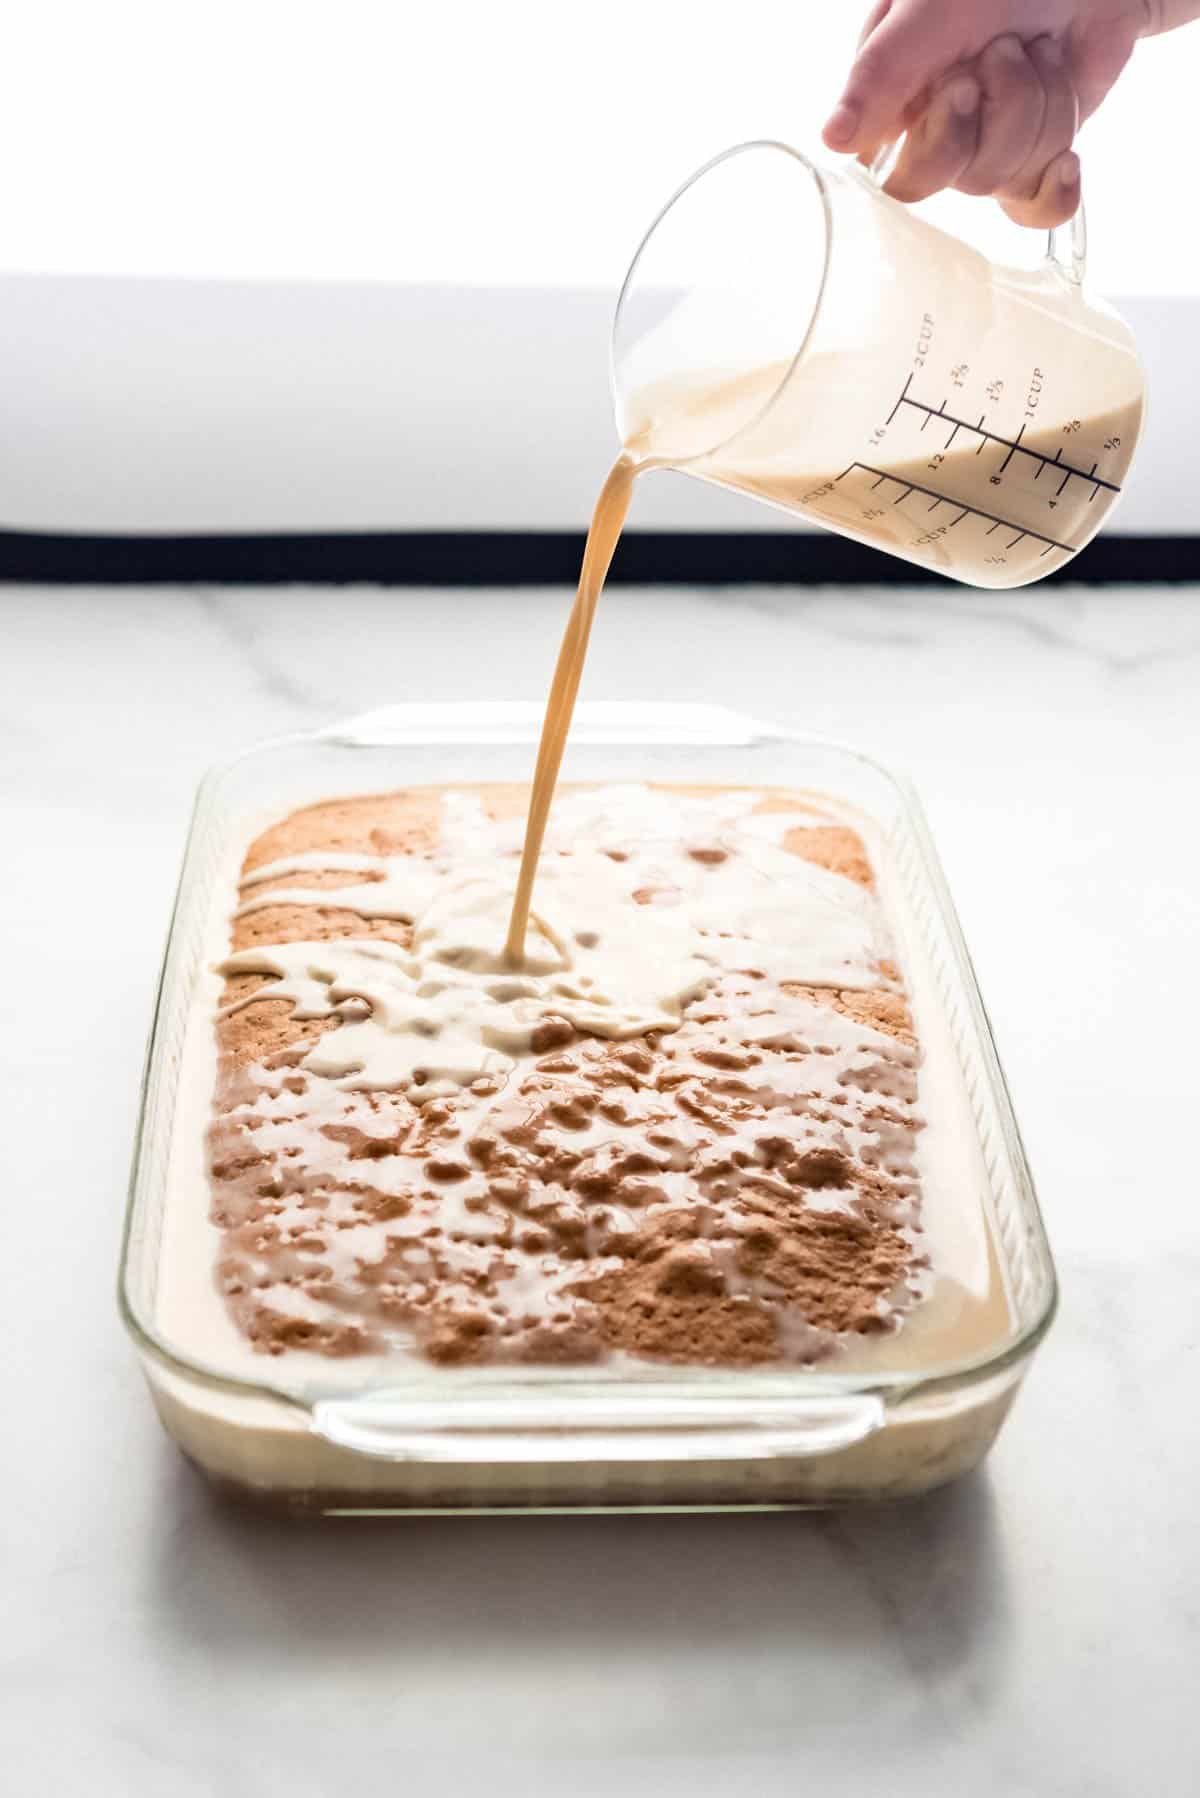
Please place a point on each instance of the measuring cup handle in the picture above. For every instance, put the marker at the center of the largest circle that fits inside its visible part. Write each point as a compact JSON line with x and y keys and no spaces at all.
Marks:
{"x":1066,"y":247}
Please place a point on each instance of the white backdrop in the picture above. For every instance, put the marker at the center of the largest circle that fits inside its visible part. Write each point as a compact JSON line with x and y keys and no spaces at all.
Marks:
{"x":271,"y":264}
{"x":487,"y":141}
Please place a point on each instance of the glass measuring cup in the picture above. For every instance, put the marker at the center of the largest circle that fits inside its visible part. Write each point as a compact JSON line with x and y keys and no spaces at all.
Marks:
{"x":790,"y":331}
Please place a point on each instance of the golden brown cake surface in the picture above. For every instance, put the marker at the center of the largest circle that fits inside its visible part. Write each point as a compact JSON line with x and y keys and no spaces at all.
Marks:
{"x":737,"y":1189}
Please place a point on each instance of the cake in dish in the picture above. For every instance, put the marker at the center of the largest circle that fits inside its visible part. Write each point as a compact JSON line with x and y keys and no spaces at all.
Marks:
{"x":702,"y":1125}
{"x":715,"y":1200}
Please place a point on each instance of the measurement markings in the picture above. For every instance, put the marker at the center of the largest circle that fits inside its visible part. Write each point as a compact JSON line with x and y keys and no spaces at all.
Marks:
{"x":940,"y":499}
{"x":900,"y":401}
{"x":1012,"y":445}
{"x":1012,"y":452}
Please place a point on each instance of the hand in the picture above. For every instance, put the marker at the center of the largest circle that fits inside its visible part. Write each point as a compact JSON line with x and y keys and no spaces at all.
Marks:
{"x":987,"y":94}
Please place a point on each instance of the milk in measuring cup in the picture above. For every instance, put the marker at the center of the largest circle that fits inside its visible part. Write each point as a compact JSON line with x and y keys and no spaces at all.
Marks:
{"x":991,"y":491}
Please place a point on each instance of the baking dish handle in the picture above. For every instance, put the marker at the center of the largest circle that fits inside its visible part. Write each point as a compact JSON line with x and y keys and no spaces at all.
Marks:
{"x":566,"y":1428}
{"x":597,"y":722}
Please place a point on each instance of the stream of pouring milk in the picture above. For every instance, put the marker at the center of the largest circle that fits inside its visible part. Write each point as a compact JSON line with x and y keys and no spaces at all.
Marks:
{"x":680,"y":422}
{"x":603,"y":537}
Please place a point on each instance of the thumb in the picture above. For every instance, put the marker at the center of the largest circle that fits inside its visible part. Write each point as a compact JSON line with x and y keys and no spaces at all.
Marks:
{"x":906,"y":46}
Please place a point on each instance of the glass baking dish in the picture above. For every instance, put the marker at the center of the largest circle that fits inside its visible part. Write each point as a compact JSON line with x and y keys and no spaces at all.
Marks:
{"x":422,"y":1438}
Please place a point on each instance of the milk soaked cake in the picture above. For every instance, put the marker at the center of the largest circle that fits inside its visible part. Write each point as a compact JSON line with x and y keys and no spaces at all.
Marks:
{"x":689,"y":1129}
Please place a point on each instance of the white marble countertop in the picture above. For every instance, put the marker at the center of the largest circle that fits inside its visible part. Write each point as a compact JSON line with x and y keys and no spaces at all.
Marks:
{"x":1034,"y":1631}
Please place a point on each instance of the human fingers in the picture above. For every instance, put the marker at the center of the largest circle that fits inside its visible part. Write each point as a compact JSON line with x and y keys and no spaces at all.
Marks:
{"x":1011,"y":115}
{"x":1056,"y":199}
{"x":940,"y":143}
{"x":1036,"y":193}
{"x":910,"y":47}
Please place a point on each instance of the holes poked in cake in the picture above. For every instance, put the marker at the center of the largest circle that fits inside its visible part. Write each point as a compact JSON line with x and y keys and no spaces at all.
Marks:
{"x":708,"y":855}
{"x":445,"y":1171}
{"x":552,"y":1033}
{"x":891,"y":1078}
{"x":801,"y":1165}
{"x":567,"y":1164}
{"x":360,"y":1146}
